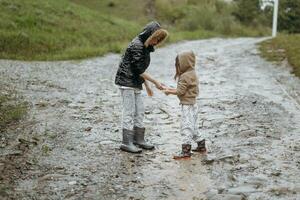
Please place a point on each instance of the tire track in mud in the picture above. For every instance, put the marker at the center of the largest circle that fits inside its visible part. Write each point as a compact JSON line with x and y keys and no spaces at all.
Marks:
{"x":251,"y":123}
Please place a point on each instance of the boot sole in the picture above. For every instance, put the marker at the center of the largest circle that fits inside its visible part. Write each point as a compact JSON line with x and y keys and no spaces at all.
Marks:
{"x":127,"y":150}
{"x":204,"y":151}
{"x":141,"y":146}
{"x":182,"y":158}
{"x":146,"y":148}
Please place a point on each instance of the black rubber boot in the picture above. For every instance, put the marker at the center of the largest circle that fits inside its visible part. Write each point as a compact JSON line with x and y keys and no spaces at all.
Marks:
{"x":139,"y":139}
{"x":201,"y":148}
{"x":127,"y":143}
{"x":185,"y":152}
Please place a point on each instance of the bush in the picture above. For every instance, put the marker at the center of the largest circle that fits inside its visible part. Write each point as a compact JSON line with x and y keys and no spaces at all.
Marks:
{"x":289,"y":16}
{"x":247,"y":11}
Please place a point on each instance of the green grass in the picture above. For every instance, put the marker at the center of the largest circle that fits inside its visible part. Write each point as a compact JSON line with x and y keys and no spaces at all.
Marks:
{"x":49,"y":29}
{"x":283,"y":47}
{"x":11,"y":109}
{"x":75,"y":29}
{"x":131,"y":10}
{"x":185,"y":19}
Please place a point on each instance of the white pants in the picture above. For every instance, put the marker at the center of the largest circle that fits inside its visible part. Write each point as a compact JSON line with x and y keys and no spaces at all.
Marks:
{"x":188,"y":127}
{"x":133,"y":108}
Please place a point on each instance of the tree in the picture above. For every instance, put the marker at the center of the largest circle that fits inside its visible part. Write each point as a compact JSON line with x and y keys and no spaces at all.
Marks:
{"x":289,"y":16}
{"x":247,"y":11}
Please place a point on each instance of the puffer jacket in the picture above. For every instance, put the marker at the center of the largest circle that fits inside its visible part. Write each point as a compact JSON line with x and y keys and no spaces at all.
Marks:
{"x":187,"y":86}
{"x":136,"y":59}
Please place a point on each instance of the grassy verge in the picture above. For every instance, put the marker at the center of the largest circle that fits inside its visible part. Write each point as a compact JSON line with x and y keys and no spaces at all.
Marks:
{"x":283,"y":47}
{"x":11,"y":109}
{"x":47,"y":30}
{"x":75,"y":29}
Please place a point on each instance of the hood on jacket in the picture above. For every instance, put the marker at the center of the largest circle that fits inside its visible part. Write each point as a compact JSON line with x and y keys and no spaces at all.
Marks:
{"x":186,"y":61}
{"x":148,"y":30}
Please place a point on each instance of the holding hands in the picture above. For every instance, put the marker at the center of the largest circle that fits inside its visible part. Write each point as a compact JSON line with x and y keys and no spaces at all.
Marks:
{"x":157,"y":84}
{"x":168,"y":91}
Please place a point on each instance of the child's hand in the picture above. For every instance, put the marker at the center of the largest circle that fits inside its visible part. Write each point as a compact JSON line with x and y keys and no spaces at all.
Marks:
{"x":166,"y":91}
{"x":164,"y":86}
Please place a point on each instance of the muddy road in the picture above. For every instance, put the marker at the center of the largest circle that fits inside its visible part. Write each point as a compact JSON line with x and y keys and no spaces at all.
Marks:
{"x":249,"y":112}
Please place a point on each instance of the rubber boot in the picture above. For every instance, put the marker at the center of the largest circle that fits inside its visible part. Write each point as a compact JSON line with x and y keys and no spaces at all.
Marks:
{"x":201,"y":148}
{"x":127,"y":143}
{"x":185,"y":152}
{"x":139,"y":139}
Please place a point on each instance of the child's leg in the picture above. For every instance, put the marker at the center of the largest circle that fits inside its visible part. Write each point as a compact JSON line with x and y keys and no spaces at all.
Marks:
{"x":139,"y":130}
{"x":196,"y":134}
{"x":127,"y":121}
{"x":197,"y":137}
{"x":186,"y":131}
{"x":187,"y":123}
{"x":128,"y":98}
{"x":139,"y":110}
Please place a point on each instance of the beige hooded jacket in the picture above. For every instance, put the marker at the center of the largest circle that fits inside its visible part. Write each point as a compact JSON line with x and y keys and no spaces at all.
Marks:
{"x":187,"y":86}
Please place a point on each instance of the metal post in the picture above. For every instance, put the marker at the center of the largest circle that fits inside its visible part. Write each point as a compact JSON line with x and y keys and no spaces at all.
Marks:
{"x":275,"y":17}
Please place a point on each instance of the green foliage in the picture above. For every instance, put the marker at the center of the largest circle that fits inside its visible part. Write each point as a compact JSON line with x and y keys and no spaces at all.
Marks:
{"x":74,"y":29}
{"x":283,"y":47}
{"x":207,"y":15}
{"x":48,"y":29}
{"x":247,"y":11}
{"x":289,"y":16}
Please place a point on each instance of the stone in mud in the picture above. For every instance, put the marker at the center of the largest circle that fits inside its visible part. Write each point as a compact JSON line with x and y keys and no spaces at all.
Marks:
{"x":257,"y":180}
{"x":27,"y":141}
{"x":248,"y":133}
{"x":285,"y":189}
{"x":211,"y":193}
{"x":244,"y":158}
{"x":209,"y":159}
{"x":88,"y":129}
{"x":226,"y":158}
{"x":42,"y":104}
{"x":147,"y":112}
{"x":50,"y":177}
{"x":72,"y":183}
{"x":227,"y":197}
{"x":242,"y":190}
{"x":276,"y":172}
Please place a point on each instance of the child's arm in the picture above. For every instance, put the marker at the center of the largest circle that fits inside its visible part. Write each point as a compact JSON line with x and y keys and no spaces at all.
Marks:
{"x":147,"y":76}
{"x":180,"y":90}
{"x":148,"y":89}
{"x":170,"y":91}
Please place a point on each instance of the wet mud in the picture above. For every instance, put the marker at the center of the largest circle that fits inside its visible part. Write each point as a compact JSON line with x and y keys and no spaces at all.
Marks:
{"x":249,"y":113}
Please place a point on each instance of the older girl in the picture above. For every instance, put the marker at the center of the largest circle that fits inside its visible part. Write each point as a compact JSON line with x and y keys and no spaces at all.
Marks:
{"x":130,"y":77}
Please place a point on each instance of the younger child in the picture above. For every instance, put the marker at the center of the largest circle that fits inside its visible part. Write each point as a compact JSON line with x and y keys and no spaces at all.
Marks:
{"x":187,"y":90}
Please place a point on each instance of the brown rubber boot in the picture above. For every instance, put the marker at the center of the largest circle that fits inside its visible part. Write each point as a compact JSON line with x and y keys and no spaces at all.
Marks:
{"x":201,"y":148}
{"x":185,"y":153}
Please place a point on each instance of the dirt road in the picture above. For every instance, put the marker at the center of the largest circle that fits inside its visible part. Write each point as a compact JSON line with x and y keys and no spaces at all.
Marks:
{"x":249,"y":111}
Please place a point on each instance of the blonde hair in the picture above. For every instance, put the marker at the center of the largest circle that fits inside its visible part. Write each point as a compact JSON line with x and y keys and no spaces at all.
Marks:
{"x":160,"y":35}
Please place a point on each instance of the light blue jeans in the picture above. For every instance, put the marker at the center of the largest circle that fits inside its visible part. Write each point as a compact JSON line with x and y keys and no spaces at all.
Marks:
{"x":133,"y":108}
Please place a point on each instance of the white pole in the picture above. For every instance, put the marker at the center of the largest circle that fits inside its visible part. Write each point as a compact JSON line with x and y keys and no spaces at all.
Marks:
{"x":275,"y":17}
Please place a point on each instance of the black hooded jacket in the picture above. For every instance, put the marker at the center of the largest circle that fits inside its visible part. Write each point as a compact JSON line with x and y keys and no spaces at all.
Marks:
{"x":136,"y":59}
